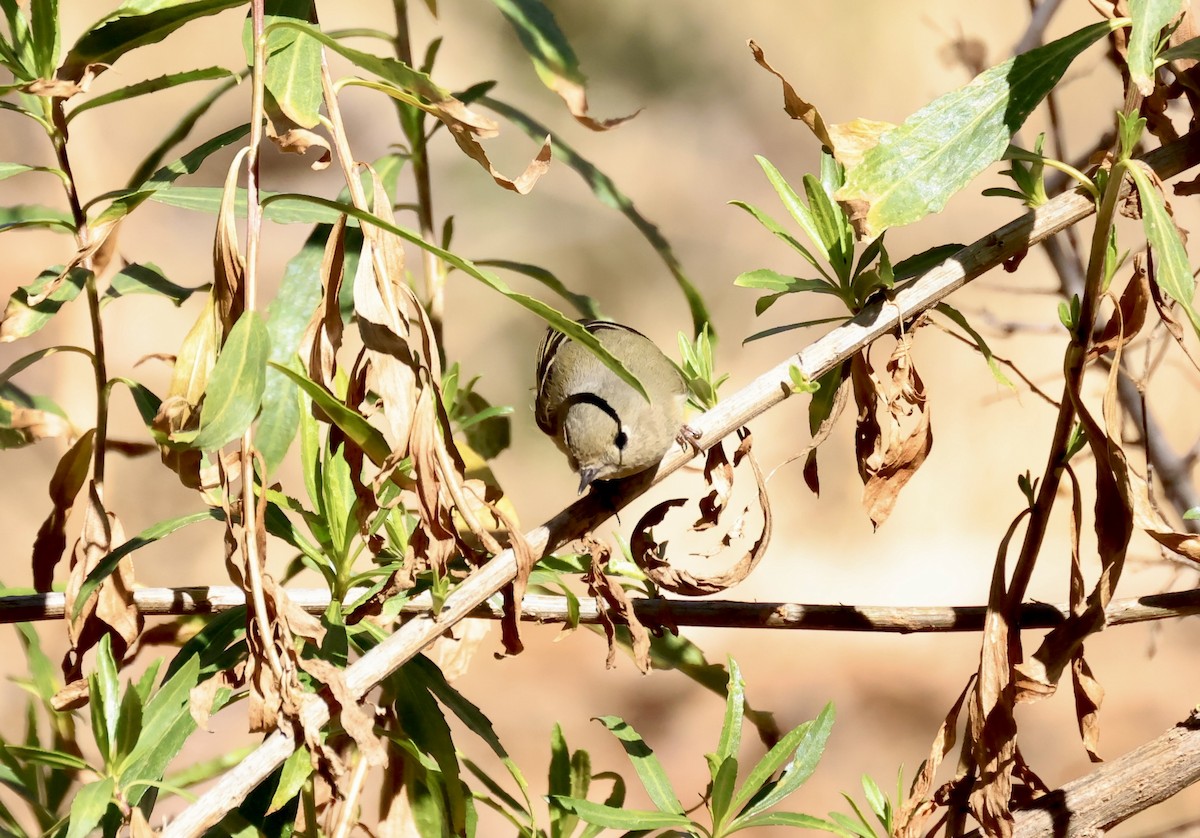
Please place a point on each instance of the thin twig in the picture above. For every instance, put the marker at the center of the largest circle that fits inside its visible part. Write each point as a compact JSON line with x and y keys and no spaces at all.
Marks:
{"x":553,"y":609}
{"x":761,"y":394}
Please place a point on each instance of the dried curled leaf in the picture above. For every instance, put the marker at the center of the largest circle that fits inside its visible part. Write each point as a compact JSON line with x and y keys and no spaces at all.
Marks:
{"x":110,"y":608}
{"x":615,"y":607}
{"x":323,"y":335}
{"x":51,"y":538}
{"x":649,"y":553}
{"x":893,"y":435}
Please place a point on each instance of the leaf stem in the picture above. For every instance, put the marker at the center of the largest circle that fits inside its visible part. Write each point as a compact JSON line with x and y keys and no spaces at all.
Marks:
{"x":58,"y":138}
{"x":434,"y":268}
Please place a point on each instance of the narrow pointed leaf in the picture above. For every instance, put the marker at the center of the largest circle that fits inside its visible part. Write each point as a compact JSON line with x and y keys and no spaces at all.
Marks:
{"x":1149,"y":18}
{"x":916,"y":167}
{"x":365,"y":435}
{"x":134,"y":25}
{"x":1171,"y":269}
{"x":619,"y":818}
{"x":236,"y":385}
{"x":645,"y":763}
{"x":801,"y":749}
{"x":89,"y":806}
{"x":154,"y":85}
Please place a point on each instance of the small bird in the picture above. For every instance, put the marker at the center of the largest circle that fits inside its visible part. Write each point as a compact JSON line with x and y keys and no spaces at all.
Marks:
{"x":606,"y":428}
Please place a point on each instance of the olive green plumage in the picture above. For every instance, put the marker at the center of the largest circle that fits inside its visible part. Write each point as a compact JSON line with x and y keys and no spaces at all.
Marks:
{"x":606,"y":428}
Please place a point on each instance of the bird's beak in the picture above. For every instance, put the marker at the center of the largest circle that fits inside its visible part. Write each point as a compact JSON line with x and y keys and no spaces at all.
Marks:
{"x":586,"y":476}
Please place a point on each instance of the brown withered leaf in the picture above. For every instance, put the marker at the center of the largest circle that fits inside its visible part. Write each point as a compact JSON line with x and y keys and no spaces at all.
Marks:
{"x":299,"y":141}
{"x":718,"y":474}
{"x":523,"y":183}
{"x":893,"y":434}
{"x":991,"y":733}
{"x":65,"y":484}
{"x":848,"y":141}
{"x":649,"y":554}
{"x":322,"y":336}
{"x":179,"y":410}
{"x":916,"y":809}
{"x":139,"y":826}
{"x":574,"y":95}
{"x":356,"y":719}
{"x":130,"y":448}
{"x":229,"y":268}
{"x":34,"y":424}
{"x":793,"y":105}
{"x":202,"y":696}
{"x":110,"y":608}
{"x":65,"y":88}
{"x":1089,"y":695}
{"x":615,"y":606}
{"x":1127,"y":320}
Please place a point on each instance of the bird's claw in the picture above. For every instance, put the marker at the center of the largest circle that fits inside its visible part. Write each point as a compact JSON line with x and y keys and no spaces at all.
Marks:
{"x":689,"y":437}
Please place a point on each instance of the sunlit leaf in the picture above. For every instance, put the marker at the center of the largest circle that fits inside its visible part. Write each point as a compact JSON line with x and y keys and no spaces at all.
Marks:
{"x":1149,"y":18}
{"x":145,"y":279}
{"x":235,"y":386}
{"x":134,"y":24}
{"x":918,"y":166}
{"x":646,"y":764}
{"x":1171,"y":269}
{"x":22,"y":319}
{"x":293,"y":74}
{"x":89,"y":806}
{"x":154,"y":85}
{"x":622,"y":818}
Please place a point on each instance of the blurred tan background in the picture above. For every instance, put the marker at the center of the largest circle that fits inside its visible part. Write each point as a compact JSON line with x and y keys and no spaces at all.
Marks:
{"x":707,"y":110}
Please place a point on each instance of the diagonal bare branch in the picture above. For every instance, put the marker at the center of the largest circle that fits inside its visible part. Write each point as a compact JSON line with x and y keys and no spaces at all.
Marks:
{"x":761,"y":394}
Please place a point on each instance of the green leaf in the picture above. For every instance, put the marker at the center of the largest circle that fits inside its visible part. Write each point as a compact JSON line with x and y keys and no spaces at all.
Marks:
{"x":793,"y":819}
{"x":146,"y":279}
{"x":926,"y":260}
{"x":365,"y":435}
{"x":166,"y":724}
{"x":207,"y":199}
{"x":553,"y":58}
{"x":44,"y":756}
{"x":1171,"y":269}
{"x":782,"y":284}
{"x":89,"y":806}
{"x":18,"y":216}
{"x":721,"y":794}
{"x":129,"y":725}
{"x":43,"y":20}
{"x":1188,"y":49}
{"x":8,"y":170}
{"x":735,"y":704}
{"x":783,"y":235}
{"x":980,"y":344}
{"x":389,"y":69}
{"x":585,"y":305}
{"x":287,"y":317}
{"x":916,"y":167}
{"x":1149,"y":18}
{"x":800,"y":748}
{"x":799,"y":211}
{"x":147,"y":536}
{"x":293,"y":73}
{"x":646,"y":764}
{"x":606,"y":191}
{"x":154,"y":85}
{"x":621,"y":818}
{"x":296,"y":770}
{"x":22,"y":319}
{"x":180,"y":131}
{"x":337,"y":502}
{"x":135,"y":24}
{"x":236,"y":385}
{"x":104,"y":694}
{"x":125,"y":201}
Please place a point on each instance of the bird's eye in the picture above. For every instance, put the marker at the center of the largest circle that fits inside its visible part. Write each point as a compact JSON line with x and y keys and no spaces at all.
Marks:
{"x":620,"y":439}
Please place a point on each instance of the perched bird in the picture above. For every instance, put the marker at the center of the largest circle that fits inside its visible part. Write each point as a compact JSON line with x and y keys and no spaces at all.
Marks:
{"x":606,"y":428}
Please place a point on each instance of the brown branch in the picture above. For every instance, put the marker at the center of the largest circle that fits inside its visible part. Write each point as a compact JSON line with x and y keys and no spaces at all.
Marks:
{"x":761,"y":394}
{"x":545,"y":608}
{"x":1119,"y":789}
